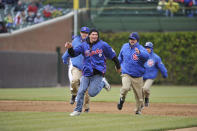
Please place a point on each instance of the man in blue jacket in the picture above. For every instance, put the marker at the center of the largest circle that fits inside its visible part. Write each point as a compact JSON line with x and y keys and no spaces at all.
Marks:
{"x":152,"y":66}
{"x":94,"y":52}
{"x":75,"y":69}
{"x":132,"y":58}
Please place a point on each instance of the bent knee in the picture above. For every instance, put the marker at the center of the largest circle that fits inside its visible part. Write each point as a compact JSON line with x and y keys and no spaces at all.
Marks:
{"x":91,"y":93}
{"x":75,"y":82}
{"x":125,"y":89}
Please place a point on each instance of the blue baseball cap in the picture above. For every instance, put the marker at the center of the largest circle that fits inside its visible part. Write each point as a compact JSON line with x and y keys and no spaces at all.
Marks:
{"x":134,"y":36}
{"x":85,"y":29}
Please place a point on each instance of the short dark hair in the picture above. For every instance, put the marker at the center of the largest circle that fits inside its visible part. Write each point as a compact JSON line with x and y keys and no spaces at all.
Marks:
{"x":93,"y":30}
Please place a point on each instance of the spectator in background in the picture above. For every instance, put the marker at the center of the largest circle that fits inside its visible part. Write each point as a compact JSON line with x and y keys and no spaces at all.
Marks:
{"x":127,"y":1}
{"x":30,"y":18}
{"x":171,"y":8}
{"x":2,"y":6}
{"x":56,"y":12}
{"x":3,"y":28}
{"x":188,"y":4}
{"x":23,"y":15}
{"x":8,"y":5}
{"x":38,"y":18}
{"x":38,"y":3}
{"x":19,"y":19}
{"x":9,"y":22}
{"x":19,"y":7}
{"x":47,"y":12}
{"x":195,"y":4}
{"x":161,"y":6}
{"x":32,"y":8}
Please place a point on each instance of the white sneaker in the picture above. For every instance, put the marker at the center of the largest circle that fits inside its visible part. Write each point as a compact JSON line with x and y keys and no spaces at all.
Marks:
{"x":107,"y":85}
{"x":75,"y":113}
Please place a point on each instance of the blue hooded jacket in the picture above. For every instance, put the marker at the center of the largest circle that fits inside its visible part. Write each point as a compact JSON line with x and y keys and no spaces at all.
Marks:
{"x":76,"y":61}
{"x":94,"y":57}
{"x":152,"y":66}
{"x":131,"y":62}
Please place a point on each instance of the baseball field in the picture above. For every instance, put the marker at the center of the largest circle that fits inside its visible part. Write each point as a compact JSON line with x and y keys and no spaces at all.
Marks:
{"x":48,"y":109}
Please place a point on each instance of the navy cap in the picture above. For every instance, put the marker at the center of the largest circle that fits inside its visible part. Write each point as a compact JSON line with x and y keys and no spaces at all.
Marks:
{"x":134,"y":36}
{"x":85,"y":29}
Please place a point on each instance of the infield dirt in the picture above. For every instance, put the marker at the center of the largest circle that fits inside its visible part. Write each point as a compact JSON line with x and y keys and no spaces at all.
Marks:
{"x":101,"y":107}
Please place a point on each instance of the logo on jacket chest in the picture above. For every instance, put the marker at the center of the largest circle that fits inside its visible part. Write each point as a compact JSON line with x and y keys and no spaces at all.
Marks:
{"x":135,"y":57}
{"x":91,"y":53}
{"x":150,"y":62}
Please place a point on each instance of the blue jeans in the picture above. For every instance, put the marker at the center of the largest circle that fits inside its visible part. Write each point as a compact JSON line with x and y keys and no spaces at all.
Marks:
{"x":95,"y":85}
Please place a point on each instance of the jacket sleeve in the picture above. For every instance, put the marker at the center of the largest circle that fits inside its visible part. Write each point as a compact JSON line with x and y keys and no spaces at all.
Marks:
{"x":65,"y":57}
{"x":73,"y":52}
{"x":108,"y":51}
{"x":116,"y":61}
{"x":162,"y":68}
{"x":144,"y":55}
{"x":120,"y":57}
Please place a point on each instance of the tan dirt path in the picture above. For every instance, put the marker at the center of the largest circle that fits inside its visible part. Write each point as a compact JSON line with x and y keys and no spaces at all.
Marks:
{"x":100,"y":107}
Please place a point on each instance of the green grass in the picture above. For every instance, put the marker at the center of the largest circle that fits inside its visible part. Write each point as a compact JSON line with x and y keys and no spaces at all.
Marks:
{"x":61,"y":121}
{"x":34,"y":94}
{"x":159,"y":94}
{"x":58,"y":121}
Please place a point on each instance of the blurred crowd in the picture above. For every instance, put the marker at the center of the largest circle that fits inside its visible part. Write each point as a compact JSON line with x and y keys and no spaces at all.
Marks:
{"x":16,"y":14}
{"x":170,"y":7}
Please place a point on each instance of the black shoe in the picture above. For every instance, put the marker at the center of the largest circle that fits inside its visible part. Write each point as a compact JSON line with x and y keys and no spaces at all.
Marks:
{"x":120,"y":104}
{"x":87,"y":110}
{"x":138,"y":113}
{"x":146,"y":102}
{"x":72,"y":100}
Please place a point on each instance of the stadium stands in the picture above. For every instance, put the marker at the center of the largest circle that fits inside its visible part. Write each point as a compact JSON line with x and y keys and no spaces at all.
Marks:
{"x":140,"y":15}
{"x":55,"y":9}
{"x":119,"y":15}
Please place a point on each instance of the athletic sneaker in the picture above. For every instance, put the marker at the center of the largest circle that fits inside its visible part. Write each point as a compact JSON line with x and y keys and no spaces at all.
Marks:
{"x":138,"y":113}
{"x":142,"y":107}
{"x":120,"y":104}
{"x":75,"y":113}
{"x":72,"y":100}
{"x":146,"y":102}
{"x":107,"y":85}
{"x":87,"y":110}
